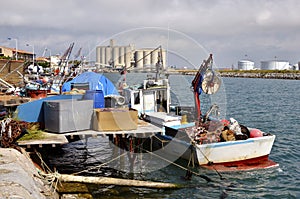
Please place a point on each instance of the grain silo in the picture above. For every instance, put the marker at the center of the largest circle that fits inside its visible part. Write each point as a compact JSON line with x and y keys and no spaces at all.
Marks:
{"x":147,"y":57}
{"x":114,"y":56}
{"x":245,"y":65}
{"x":139,"y":58}
{"x":274,"y":65}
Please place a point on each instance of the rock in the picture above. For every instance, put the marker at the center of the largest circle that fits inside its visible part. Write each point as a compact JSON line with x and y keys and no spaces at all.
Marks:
{"x":19,"y":177}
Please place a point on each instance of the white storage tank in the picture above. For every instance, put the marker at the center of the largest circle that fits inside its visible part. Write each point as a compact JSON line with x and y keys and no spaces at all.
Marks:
{"x":128,"y":55}
{"x":122,"y":55}
{"x":116,"y":55}
{"x":245,"y":65}
{"x":139,"y":58}
{"x":275,"y":65}
{"x":147,"y":58}
{"x":102,"y":57}
{"x":108,"y":55}
{"x":154,"y":58}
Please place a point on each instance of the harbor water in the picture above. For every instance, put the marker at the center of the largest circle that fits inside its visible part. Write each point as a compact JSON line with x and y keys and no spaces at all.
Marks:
{"x":271,"y":105}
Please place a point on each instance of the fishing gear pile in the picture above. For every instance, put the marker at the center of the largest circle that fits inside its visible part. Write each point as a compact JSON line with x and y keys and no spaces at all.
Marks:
{"x":11,"y":131}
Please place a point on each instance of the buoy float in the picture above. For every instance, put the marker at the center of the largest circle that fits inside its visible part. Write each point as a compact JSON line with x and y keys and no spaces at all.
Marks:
{"x":254,"y":133}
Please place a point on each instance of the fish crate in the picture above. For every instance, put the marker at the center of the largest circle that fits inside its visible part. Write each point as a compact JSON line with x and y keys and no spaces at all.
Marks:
{"x":68,"y":115}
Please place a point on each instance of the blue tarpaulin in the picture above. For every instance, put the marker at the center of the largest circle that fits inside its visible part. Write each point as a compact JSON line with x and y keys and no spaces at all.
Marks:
{"x":96,"y":82}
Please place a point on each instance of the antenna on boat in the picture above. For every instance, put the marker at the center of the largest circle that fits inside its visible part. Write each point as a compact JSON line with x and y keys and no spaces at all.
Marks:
{"x":159,"y":63}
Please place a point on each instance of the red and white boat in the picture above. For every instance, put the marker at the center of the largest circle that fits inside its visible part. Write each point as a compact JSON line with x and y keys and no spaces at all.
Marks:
{"x":202,"y":142}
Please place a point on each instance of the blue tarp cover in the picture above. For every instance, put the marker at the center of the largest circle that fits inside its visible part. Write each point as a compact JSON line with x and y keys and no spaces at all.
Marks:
{"x":96,"y":82}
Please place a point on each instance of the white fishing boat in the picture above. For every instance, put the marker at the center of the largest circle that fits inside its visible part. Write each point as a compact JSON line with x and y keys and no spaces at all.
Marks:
{"x":209,"y":142}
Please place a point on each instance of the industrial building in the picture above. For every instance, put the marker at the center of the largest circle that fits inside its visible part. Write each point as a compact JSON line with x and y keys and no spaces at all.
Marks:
{"x":114,"y":56}
{"x":117,"y":57}
{"x":275,"y":65}
{"x":245,"y":65}
{"x":148,"y":58}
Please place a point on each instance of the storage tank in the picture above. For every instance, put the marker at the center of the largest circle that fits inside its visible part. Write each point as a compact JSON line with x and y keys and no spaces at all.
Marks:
{"x":107,"y":55}
{"x":128,"y":56}
{"x":245,"y":65}
{"x":122,"y":56}
{"x":154,"y":58}
{"x":102,"y":57}
{"x":139,"y":58}
{"x":116,"y":55}
{"x":274,"y":65}
{"x":98,"y":55}
{"x":147,"y":58}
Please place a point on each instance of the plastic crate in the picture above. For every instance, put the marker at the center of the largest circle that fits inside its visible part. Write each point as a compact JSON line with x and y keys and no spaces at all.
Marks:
{"x":69,"y":115}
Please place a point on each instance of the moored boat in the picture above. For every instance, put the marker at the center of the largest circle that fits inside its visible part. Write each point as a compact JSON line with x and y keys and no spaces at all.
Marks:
{"x":208,"y":141}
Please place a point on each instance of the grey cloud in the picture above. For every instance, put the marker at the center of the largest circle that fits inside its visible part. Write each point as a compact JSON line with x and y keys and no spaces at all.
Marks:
{"x":230,"y":28}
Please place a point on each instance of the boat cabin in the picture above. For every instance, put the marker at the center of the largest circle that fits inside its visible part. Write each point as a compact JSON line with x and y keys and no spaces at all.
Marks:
{"x":152,"y":96}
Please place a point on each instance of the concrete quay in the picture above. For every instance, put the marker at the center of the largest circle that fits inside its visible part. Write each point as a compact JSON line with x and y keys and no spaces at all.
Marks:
{"x":19,"y":178}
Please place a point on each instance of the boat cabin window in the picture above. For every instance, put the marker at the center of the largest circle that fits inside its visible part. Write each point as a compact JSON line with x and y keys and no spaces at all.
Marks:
{"x":137,"y":99}
{"x":161,"y":100}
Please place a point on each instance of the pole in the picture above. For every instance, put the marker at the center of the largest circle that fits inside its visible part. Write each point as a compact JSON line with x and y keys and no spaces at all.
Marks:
{"x":16,"y":40}
{"x":117,"y":181}
{"x":32,"y":52}
{"x":16,"y":49}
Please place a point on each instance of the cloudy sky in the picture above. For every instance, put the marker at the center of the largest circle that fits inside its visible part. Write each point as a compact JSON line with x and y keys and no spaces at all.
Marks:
{"x":231,"y":30}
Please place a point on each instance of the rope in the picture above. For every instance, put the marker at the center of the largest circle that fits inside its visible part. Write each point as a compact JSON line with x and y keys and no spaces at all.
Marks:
{"x":209,"y":162}
{"x":175,"y":164}
{"x":99,"y":166}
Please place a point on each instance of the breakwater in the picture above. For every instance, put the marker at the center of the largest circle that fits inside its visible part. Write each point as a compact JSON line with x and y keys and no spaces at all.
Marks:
{"x":265,"y":75}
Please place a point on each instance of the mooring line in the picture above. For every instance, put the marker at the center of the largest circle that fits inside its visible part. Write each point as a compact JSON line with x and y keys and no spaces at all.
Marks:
{"x":209,"y":162}
{"x":186,"y":169}
{"x":99,"y":166}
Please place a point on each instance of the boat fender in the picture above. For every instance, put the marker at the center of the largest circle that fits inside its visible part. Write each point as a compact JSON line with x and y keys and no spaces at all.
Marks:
{"x":254,"y":133}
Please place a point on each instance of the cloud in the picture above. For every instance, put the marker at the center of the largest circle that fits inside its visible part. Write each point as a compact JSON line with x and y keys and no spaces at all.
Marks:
{"x":231,"y":28}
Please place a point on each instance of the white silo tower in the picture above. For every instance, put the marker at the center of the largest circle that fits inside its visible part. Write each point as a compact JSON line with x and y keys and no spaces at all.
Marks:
{"x":122,"y":55}
{"x":139,"y":59}
{"x":154,"y":58}
{"x":128,"y":56}
{"x":116,"y":56}
{"x":108,"y":56}
{"x":98,"y":55}
{"x":102,"y":56}
{"x":147,"y":57}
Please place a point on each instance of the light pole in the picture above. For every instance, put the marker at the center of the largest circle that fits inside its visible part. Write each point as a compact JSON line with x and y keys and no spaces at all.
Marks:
{"x":32,"y":53}
{"x":16,"y":46}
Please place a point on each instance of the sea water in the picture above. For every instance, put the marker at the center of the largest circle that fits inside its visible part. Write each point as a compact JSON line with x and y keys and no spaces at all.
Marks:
{"x":272,"y":105}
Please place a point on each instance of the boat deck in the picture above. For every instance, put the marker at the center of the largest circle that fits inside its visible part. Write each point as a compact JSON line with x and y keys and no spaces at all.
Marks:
{"x":143,"y":130}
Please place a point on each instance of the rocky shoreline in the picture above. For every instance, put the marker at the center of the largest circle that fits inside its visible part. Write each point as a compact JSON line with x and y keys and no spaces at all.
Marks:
{"x":20,"y":178}
{"x":292,"y":76}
